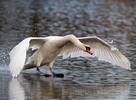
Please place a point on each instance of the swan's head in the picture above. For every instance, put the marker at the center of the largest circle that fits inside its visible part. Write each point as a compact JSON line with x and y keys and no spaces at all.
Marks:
{"x":88,"y":49}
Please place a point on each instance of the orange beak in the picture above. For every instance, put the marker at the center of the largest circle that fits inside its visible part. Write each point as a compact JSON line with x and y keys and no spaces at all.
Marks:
{"x":89,"y":51}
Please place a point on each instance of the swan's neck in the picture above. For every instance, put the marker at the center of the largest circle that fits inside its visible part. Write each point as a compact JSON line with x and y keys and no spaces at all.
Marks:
{"x":76,"y":42}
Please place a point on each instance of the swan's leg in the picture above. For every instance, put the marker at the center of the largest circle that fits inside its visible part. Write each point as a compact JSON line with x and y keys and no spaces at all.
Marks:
{"x":50,"y":66}
{"x":54,"y":74}
{"x":29,"y":66}
{"x":51,"y":72}
{"x":39,"y":61}
{"x":36,"y":57}
{"x":38,"y":69}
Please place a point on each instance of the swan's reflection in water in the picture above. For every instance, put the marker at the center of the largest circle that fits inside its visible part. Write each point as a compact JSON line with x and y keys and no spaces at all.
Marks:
{"x":16,"y":91}
{"x":40,"y":88}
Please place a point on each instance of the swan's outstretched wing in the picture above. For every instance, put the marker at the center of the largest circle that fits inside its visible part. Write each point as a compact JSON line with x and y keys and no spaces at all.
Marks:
{"x":18,"y":53}
{"x":101,"y":49}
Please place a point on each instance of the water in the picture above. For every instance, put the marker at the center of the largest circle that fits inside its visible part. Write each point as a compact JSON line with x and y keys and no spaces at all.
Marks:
{"x":85,"y":79}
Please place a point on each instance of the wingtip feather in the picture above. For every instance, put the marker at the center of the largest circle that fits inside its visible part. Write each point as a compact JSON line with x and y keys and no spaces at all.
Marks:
{"x":17,"y":57}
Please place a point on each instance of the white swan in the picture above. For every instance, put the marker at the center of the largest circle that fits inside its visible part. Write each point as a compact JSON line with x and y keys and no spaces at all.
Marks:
{"x":66,"y":46}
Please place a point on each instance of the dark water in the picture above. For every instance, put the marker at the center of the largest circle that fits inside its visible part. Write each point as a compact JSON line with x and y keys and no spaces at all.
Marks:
{"x":85,"y":79}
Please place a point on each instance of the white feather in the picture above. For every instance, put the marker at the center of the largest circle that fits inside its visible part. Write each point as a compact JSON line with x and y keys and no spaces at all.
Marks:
{"x":18,"y":53}
{"x":101,"y":49}
{"x":18,"y":56}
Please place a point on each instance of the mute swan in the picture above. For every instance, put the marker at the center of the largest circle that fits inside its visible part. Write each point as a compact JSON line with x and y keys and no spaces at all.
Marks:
{"x":66,"y":46}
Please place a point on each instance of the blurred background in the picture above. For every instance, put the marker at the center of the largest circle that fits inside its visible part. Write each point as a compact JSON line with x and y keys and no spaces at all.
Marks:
{"x":85,"y":79}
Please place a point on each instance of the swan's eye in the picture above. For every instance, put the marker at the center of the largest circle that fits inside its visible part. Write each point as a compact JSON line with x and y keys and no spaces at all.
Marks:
{"x":88,"y":50}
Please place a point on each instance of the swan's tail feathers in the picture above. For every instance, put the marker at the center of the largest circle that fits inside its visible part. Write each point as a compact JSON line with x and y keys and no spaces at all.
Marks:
{"x":18,"y":56}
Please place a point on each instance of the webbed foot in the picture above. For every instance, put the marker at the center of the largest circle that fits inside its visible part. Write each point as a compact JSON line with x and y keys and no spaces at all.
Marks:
{"x":59,"y":75}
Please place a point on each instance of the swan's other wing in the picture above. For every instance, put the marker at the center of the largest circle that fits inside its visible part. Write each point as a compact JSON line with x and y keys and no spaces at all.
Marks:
{"x":100,"y":49}
{"x":18,"y":53}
